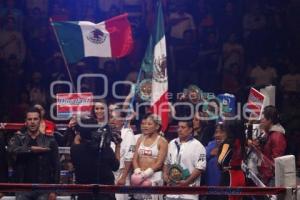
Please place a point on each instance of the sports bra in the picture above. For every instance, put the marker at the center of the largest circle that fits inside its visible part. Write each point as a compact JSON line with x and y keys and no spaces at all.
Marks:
{"x":149,"y":151}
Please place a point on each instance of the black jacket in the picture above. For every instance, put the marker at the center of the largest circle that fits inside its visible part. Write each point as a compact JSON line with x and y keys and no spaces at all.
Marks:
{"x":48,"y":165}
{"x":93,"y":167}
{"x":93,"y":159}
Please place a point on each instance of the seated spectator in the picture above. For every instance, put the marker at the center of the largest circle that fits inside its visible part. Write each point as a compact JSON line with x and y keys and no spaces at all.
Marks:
{"x":10,"y":10}
{"x":253,"y":21}
{"x":263,"y":74}
{"x":90,"y":14}
{"x":179,"y":22}
{"x":55,"y":66}
{"x":136,"y":13}
{"x":36,"y":90}
{"x":34,"y":20}
{"x":232,"y":65}
{"x":20,"y":108}
{"x":233,"y":52}
{"x":290,"y":82}
{"x":13,"y":79}
{"x":105,"y":6}
{"x":113,"y":11}
{"x":229,"y":21}
{"x":11,"y":40}
{"x":231,"y":79}
{"x":254,"y":27}
{"x":191,"y":99}
{"x":41,"y":5}
{"x":209,"y":56}
{"x":212,"y":109}
{"x":59,"y":13}
{"x":192,"y":94}
{"x":206,"y":21}
{"x":112,"y":73}
{"x":185,"y":55}
{"x":39,"y":42}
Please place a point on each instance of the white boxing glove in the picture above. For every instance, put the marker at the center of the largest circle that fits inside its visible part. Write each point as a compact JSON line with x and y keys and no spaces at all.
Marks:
{"x":148,"y":173}
{"x":137,"y":171}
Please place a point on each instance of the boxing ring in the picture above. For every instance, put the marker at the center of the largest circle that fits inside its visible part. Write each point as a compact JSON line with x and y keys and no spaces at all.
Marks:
{"x":285,"y":175}
{"x":288,"y":193}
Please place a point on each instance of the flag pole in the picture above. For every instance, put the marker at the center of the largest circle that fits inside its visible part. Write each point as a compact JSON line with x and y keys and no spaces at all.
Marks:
{"x":130,"y":107}
{"x":63,"y":55}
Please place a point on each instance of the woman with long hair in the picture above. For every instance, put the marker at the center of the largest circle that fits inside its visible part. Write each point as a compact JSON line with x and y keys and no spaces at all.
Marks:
{"x":93,"y":158}
{"x":231,"y":154}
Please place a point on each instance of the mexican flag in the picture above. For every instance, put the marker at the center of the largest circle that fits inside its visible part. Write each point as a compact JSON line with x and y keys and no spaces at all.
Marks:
{"x":78,"y":39}
{"x":156,"y":60}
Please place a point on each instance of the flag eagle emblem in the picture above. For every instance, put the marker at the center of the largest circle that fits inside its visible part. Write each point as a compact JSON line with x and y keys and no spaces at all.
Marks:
{"x":96,"y":36}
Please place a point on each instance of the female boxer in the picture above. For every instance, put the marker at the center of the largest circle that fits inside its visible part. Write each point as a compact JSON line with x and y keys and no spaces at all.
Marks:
{"x":151,"y":151}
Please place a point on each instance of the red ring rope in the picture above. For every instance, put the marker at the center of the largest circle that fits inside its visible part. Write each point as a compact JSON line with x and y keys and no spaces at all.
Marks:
{"x":90,"y":188}
{"x":11,"y":126}
{"x":18,"y":126}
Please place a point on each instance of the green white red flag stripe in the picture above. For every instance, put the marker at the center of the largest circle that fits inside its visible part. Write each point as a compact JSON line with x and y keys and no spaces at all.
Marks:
{"x":110,"y":38}
{"x":156,"y":55}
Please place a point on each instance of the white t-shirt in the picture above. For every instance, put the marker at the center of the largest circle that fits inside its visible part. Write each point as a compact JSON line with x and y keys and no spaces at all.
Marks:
{"x":137,"y":136}
{"x":190,"y":155}
{"x":126,"y":154}
{"x":263,"y":76}
{"x":127,"y":146}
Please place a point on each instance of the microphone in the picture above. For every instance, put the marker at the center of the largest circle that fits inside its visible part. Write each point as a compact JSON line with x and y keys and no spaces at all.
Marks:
{"x":103,"y":137}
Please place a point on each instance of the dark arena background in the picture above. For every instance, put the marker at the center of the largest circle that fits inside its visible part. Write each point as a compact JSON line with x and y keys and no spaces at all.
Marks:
{"x":212,"y":61}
